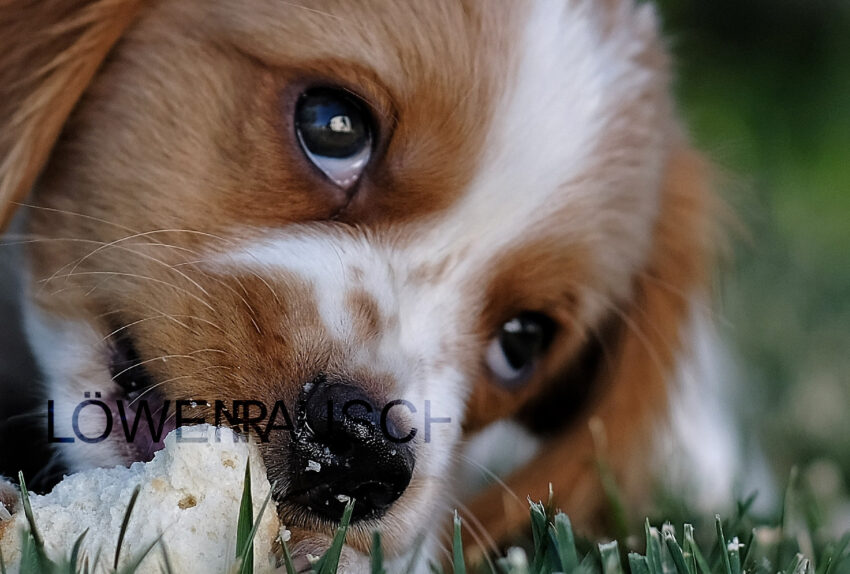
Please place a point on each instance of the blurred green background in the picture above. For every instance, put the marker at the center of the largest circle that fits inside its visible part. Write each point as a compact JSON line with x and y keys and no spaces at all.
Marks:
{"x":765,"y":88}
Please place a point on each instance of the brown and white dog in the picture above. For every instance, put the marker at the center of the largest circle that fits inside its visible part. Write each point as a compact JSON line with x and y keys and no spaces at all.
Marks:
{"x":487,"y":210}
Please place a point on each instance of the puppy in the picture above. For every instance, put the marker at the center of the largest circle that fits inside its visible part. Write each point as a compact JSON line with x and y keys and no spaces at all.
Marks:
{"x":364,"y":232}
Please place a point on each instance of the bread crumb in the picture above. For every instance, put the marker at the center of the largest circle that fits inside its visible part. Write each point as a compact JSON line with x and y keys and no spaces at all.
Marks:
{"x":187,"y":501}
{"x":199,"y":531}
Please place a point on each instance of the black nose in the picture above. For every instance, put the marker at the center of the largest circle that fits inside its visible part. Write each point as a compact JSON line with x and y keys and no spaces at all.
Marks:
{"x":343,"y":448}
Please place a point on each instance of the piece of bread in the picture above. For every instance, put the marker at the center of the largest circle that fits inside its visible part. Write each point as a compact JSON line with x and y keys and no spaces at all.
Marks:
{"x":190,"y":493}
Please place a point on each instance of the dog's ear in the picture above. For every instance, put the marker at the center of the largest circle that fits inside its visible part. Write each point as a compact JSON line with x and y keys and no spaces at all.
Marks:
{"x":632,"y":372}
{"x":49,"y":52}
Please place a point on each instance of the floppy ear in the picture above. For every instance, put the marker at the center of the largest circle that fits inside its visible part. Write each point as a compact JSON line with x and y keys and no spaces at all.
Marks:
{"x":51,"y":49}
{"x":635,"y":377}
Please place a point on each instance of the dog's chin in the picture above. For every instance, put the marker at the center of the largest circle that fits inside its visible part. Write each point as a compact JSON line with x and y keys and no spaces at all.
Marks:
{"x":309,"y":545}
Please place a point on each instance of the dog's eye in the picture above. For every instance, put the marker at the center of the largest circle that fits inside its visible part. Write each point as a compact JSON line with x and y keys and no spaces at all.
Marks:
{"x":514,"y":351}
{"x":335,"y":131}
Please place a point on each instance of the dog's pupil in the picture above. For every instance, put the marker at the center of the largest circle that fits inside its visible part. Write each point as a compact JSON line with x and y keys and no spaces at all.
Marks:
{"x":522,"y":339}
{"x":331,"y":123}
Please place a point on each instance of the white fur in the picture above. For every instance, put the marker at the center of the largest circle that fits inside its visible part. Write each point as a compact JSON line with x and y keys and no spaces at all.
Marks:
{"x":495,"y":452}
{"x":702,"y":451}
{"x":554,"y":145}
{"x":74,"y":361}
{"x":543,"y":154}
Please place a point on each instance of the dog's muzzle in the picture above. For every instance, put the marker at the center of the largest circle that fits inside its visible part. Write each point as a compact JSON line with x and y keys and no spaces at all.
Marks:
{"x":346,"y":447}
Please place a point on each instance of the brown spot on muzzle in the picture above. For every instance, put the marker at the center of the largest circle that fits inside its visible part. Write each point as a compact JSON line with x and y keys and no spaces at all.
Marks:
{"x":365,"y":314}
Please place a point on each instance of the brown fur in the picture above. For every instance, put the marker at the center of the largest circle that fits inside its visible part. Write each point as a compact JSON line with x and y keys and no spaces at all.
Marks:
{"x":183,"y":135}
{"x":637,"y":374}
{"x":51,"y":50}
{"x":545,"y":276}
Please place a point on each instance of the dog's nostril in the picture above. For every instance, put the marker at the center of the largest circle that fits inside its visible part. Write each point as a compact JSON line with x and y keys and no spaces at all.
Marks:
{"x":339,"y":415}
{"x":375,"y":494}
{"x":342,"y":450}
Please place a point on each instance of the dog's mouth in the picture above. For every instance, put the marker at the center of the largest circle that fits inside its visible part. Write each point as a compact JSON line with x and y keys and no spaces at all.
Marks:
{"x":139,"y":407}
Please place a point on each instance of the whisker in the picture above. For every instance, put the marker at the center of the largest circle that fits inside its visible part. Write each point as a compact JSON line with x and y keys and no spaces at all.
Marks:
{"x":316,"y":11}
{"x":699,"y":302}
{"x":131,"y":324}
{"x":32,"y":414}
{"x":234,"y":346}
{"x":444,"y":550}
{"x":138,"y":276}
{"x":492,"y":475}
{"x":174,"y":317}
{"x":52,"y":467}
{"x":178,"y":378}
{"x":115,"y":245}
{"x":632,"y":326}
{"x":75,"y":214}
{"x":160,"y":316}
{"x":28,"y":238}
{"x":252,"y":313}
{"x":479,"y":533}
{"x":143,"y":255}
{"x":190,"y":355}
{"x":196,"y":262}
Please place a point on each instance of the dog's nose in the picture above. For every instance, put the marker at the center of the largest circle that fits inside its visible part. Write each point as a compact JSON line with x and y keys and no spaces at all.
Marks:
{"x":346,"y":446}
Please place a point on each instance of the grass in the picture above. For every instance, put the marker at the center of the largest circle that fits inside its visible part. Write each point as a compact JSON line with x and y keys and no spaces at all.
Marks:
{"x":740,"y":545}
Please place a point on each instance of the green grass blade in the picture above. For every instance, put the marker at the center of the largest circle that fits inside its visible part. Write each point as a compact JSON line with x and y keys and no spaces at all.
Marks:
{"x":417,"y":550}
{"x":246,"y":564}
{"x":800,"y":565}
{"x":539,"y":532}
{"x":244,"y":524}
{"x":610,"y":488}
{"x":749,"y":547}
{"x":566,"y":543}
{"x":169,"y":569}
{"x":96,"y":560}
{"x":743,"y":510}
{"x":653,"y":549}
{"x":75,"y":553}
{"x":25,"y":499}
{"x":36,"y":556}
{"x":609,"y":552}
{"x":734,"y":551}
{"x":458,"y":563}
{"x":29,"y":556}
{"x":668,"y":565}
{"x":287,"y":558}
{"x":329,"y":562}
{"x":692,"y":549}
{"x":789,"y":499}
{"x":589,"y":565}
{"x":722,"y":545}
{"x":836,"y":554}
{"x":376,"y":559}
{"x":124,"y":523}
{"x":134,"y":564}
{"x":2,"y":563}
{"x":676,"y":553}
{"x":637,"y":563}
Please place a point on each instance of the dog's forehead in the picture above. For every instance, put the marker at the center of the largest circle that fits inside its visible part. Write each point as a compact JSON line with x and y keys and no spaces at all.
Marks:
{"x":561,"y":106}
{"x":401,"y":41}
{"x":531,"y":99}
